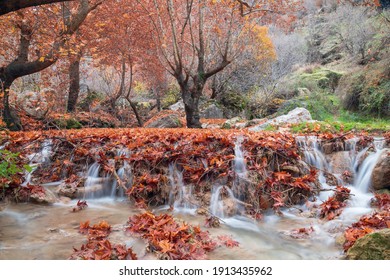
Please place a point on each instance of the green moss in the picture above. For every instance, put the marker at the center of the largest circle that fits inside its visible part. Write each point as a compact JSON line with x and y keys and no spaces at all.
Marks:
{"x":270,"y":128}
{"x":367,"y":90}
{"x":320,"y":77}
{"x":374,"y":246}
{"x":233,"y":101}
{"x":89,"y":99}
{"x":226,"y":126}
{"x":68,"y":124}
{"x":172,"y":95}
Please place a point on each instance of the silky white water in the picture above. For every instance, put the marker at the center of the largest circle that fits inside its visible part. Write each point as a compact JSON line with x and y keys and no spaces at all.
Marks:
{"x":50,"y":232}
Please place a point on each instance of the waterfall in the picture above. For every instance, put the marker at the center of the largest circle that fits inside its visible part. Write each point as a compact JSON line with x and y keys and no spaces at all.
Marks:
{"x":239,"y":169}
{"x":223,"y":208}
{"x":124,"y":174}
{"x":360,"y":200}
{"x":36,"y":159}
{"x":180,"y":196}
{"x":312,"y":152}
{"x":93,"y":187}
{"x":363,"y":176}
{"x":310,"y":145}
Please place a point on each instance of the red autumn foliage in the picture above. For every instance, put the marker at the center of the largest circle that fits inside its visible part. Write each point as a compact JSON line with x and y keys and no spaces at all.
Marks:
{"x":367,"y":224}
{"x":301,"y":233}
{"x":81,"y":204}
{"x":25,"y":192}
{"x":98,"y":246}
{"x":202,"y":155}
{"x":333,"y":207}
{"x":382,"y":201}
{"x":228,"y":241}
{"x":170,"y":239}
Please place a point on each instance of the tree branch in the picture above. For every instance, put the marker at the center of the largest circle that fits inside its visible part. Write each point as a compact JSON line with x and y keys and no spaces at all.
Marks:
{"x":7,"y":6}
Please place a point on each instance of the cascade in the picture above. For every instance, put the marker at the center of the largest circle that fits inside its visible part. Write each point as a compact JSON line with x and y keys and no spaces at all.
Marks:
{"x":239,"y":168}
{"x":36,"y":159}
{"x":359,"y":202}
{"x":93,"y":187}
{"x":180,"y":196}
{"x":223,"y":208}
{"x":363,"y":175}
{"x":124,"y":174}
{"x":313,"y":156}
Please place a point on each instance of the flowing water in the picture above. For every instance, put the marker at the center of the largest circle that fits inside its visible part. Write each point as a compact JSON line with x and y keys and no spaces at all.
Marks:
{"x":50,"y":232}
{"x":181,"y":195}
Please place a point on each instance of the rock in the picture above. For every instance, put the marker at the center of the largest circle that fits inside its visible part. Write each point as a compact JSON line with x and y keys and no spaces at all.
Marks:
{"x":170,"y":121}
{"x":254,"y":122}
{"x":230,"y":207}
{"x":33,"y":103}
{"x":212,"y":112}
{"x":178,"y":106}
{"x":47,"y":198}
{"x":297,"y":115}
{"x":340,"y":162}
{"x":340,"y":239}
{"x":233,"y":121}
{"x":374,"y":246}
{"x":330,"y":147}
{"x":381,"y":173}
{"x":331,"y":180}
{"x":70,"y":190}
{"x":327,"y":148}
{"x":240,"y":125}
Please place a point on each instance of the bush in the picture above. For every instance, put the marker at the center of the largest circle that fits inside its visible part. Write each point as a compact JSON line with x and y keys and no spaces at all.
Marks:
{"x":171,"y":96}
{"x":235,"y":103}
{"x":367,"y":90}
{"x":11,"y":168}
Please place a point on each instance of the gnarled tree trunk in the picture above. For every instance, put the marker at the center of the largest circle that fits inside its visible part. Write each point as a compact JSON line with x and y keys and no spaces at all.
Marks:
{"x":74,"y":83}
{"x":10,"y":116}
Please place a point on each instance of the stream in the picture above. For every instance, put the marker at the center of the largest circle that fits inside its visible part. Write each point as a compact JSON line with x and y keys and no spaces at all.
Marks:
{"x":30,"y":231}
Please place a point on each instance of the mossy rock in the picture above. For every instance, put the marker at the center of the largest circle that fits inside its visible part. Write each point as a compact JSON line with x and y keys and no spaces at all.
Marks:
{"x":374,"y":246}
{"x":68,"y":123}
{"x":234,"y":103}
{"x":226,"y":126}
{"x":323,"y":78}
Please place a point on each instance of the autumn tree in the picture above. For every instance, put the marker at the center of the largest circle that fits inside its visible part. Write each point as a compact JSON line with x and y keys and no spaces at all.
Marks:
{"x":199,"y":38}
{"x":34,"y":39}
{"x":248,"y":69}
{"x":120,"y":40}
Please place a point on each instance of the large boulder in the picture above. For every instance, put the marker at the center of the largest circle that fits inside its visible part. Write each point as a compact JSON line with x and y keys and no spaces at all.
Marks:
{"x":374,"y":246}
{"x":212,"y":112}
{"x":178,"y":106}
{"x":298,"y":115}
{"x":47,"y":198}
{"x":340,"y":162}
{"x":33,"y":103}
{"x":230,"y":123}
{"x":381,"y":173}
{"x":169,"y":121}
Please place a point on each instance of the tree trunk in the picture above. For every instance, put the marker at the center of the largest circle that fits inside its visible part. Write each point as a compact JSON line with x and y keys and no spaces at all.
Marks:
{"x":191,"y":107}
{"x":74,"y":86}
{"x":135,"y":110}
{"x":158,"y":98}
{"x":10,"y":116}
